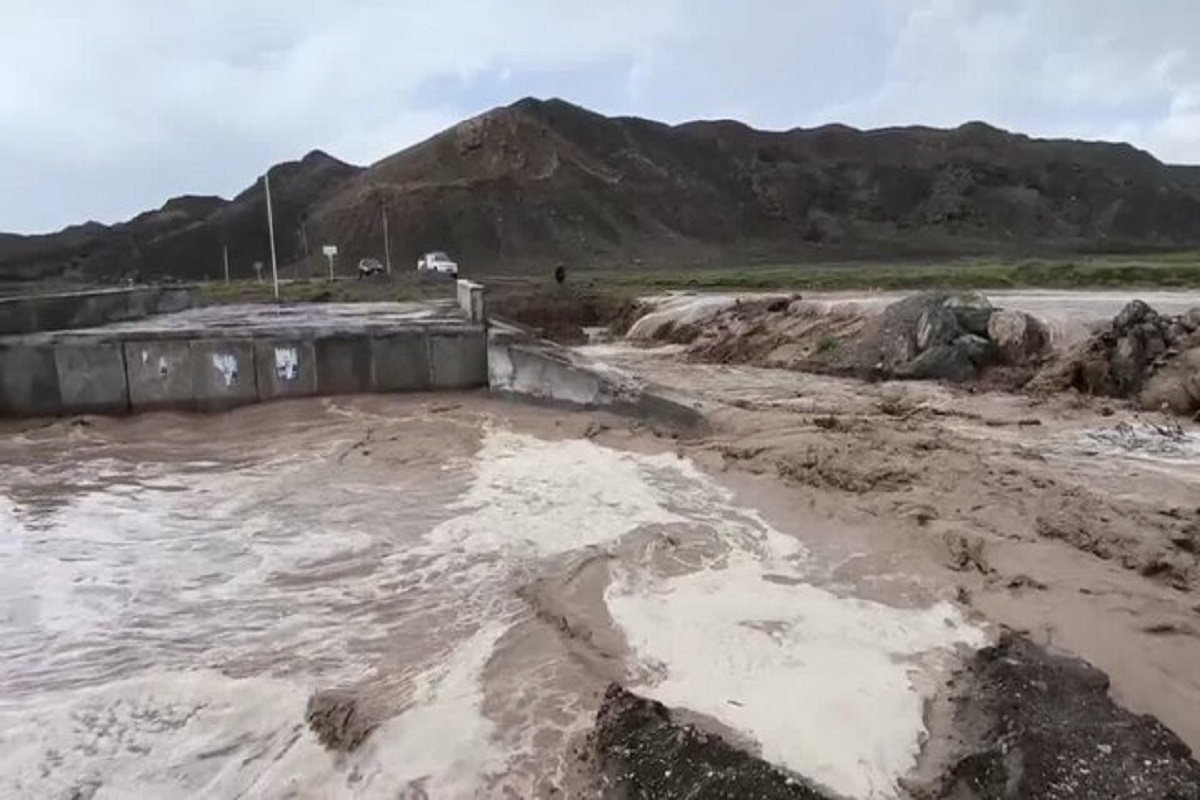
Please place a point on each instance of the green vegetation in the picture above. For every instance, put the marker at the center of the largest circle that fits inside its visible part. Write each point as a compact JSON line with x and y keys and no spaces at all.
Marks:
{"x":828,"y":344}
{"x":1162,"y":271}
{"x":1171,"y":271}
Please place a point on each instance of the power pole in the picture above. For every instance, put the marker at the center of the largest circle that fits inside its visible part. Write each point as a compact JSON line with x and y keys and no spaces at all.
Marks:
{"x":387,"y":249}
{"x":271,"y":230}
{"x":225,"y":255}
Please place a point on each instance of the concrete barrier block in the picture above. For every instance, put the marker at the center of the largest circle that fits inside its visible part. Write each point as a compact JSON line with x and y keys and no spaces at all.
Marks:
{"x":172,"y":299}
{"x":28,"y":381}
{"x":17,"y":315}
{"x":58,"y":312}
{"x":91,"y":310}
{"x":91,"y":378}
{"x":285,"y":368}
{"x":223,"y":373}
{"x":159,"y":373}
{"x":458,"y":359}
{"x":401,"y":362}
{"x":344,"y":364}
{"x":471,"y":301}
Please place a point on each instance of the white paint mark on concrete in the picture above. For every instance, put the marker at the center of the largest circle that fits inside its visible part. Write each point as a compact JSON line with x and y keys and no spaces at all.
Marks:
{"x":145,"y":358}
{"x":163,"y":366}
{"x":227,"y":365}
{"x":287,"y":364}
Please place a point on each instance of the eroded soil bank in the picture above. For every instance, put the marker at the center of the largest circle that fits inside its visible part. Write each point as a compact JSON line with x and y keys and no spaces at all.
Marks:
{"x":1140,"y":354}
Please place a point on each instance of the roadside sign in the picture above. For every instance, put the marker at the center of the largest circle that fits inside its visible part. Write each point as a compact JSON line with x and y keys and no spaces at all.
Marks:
{"x":330,"y":250}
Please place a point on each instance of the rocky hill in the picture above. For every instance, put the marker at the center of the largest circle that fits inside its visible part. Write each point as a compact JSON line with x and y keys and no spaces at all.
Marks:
{"x":543,"y":182}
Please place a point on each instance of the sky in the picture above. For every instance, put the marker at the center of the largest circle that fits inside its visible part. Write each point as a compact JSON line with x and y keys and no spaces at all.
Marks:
{"x":109,"y":107}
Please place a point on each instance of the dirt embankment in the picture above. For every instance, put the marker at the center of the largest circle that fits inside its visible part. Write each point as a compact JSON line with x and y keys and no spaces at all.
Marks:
{"x":1143,"y":356}
{"x":1150,"y":357}
{"x":563,"y":313}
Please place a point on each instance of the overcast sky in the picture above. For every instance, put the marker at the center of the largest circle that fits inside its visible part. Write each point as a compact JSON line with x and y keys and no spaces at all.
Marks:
{"x":109,"y":107}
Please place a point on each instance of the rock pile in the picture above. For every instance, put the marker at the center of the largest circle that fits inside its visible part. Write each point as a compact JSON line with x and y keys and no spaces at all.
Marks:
{"x":954,"y":337}
{"x":1151,"y":357}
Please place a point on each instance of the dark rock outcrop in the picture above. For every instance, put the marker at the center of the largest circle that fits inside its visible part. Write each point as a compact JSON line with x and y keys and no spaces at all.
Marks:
{"x":1042,"y":726}
{"x":642,"y":754}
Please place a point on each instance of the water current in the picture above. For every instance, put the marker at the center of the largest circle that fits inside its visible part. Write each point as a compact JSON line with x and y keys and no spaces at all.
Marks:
{"x":174,"y":588}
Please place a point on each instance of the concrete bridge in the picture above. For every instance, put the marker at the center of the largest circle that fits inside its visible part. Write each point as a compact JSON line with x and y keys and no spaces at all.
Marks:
{"x":115,"y":352}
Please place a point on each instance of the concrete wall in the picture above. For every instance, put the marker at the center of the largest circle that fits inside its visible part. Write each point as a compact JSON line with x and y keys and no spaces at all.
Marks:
{"x":524,"y":367}
{"x":458,"y":359}
{"x":57,"y":312}
{"x":29,"y":381}
{"x":84,"y":374}
{"x":471,"y":301}
{"x":91,"y":377}
{"x":285,"y":368}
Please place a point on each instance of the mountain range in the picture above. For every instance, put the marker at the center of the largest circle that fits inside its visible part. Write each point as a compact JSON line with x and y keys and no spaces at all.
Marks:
{"x":544,"y":182}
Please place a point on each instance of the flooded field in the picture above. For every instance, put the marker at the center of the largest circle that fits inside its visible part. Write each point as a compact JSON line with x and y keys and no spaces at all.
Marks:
{"x":173,"y":589}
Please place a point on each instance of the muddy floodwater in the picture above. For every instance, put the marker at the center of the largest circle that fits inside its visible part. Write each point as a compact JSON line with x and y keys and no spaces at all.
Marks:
{"x":174,"y":588}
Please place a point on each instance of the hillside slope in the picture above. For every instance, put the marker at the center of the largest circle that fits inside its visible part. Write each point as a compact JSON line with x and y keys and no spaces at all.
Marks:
{"x":542,"y":182}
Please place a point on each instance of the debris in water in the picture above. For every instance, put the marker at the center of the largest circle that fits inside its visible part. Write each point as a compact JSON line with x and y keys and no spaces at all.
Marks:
{"x":336,"y":717}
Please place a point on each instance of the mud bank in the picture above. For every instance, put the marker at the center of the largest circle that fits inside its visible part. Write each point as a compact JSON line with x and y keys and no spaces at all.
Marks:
{"x":1149,"y":358}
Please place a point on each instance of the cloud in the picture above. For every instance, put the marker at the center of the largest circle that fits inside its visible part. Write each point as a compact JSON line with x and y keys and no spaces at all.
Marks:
{"x":110,"y":108}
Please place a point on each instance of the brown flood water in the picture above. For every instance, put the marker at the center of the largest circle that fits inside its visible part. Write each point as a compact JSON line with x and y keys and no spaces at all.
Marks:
{"x":173,"y":589}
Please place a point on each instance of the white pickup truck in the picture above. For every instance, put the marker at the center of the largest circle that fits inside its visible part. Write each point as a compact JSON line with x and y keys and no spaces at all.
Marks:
{"x":437,"y":263}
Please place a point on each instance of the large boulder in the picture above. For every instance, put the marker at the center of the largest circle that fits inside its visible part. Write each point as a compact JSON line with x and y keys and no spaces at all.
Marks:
{"x":972,"y":310}
{"x":1135,"y":312}
{"x":1175,"y":388}
{"x":936,"y":326}
{"x":943,"y":362}
{"x":1191,"y":319}
{"x":1020,"y":338}
{"x":979,"y":349}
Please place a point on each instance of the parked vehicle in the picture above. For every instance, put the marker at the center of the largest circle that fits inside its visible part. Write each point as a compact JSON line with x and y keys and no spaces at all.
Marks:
{"x":368,"y":267}
{"x":437,"y":263}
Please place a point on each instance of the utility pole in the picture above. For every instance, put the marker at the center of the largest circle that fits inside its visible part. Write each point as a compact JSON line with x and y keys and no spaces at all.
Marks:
{"x":225,"y":255}
{"x":271,"y":230}
{"x":387,"y":250}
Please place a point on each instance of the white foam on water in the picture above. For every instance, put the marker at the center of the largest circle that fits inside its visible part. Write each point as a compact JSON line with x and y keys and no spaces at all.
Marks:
{"x":201,"y":734}
{"x":444,"y":743}
{"x":825,"y":684}
{"x":538,"y":498}
{"x":164,"y":735}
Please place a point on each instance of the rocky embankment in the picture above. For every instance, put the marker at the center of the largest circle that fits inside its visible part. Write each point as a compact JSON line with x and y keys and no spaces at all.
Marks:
{"x":1149,"y":358}
{"x":1143,"y":355}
